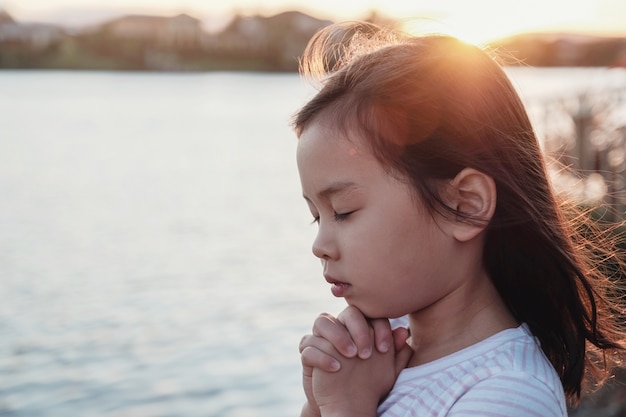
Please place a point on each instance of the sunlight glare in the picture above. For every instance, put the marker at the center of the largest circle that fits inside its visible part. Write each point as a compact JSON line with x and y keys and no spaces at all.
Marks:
{"x":469,"y":33}
{"x":485,"y":20}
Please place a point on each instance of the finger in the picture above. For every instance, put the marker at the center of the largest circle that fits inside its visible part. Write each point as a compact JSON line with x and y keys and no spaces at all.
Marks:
{"x":358,"y":327}
{"x":400,"y":336}
{"x":403,"y":356}
{"x":315,"y":358}
{"x":330,"y":328}
{"x":305,"y":342}
{"x":320,"y":343}
{"x":404,"y":352}
{"x":383,"y":336}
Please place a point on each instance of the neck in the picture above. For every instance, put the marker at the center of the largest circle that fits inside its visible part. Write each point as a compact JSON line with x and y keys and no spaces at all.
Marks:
{"x":469,"y":314}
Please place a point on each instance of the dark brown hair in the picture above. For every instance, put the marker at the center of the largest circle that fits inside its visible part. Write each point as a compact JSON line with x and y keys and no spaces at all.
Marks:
{"x":430,"y":106}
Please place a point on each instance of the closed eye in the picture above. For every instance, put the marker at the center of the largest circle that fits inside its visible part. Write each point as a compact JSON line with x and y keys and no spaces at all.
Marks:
{"x":342,"y":216}
{"x":337,"y":216}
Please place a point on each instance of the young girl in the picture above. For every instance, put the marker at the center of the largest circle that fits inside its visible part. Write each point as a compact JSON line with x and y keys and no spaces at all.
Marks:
{"x":423,"y":174}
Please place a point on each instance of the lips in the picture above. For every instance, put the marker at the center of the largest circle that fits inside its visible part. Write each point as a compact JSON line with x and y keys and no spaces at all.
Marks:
{"x":338,"y":288}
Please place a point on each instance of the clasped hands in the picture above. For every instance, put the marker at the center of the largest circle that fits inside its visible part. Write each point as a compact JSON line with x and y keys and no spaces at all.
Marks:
{"x":350,"y":363}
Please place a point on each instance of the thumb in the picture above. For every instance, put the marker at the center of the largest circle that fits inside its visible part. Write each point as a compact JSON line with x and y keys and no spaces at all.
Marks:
{"x":403,"y":350}
{"x":400,"y":336}
{"x":403,"y":356}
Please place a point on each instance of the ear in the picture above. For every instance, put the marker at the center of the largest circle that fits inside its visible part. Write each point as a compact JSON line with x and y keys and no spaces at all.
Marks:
{"x":474,"y":196}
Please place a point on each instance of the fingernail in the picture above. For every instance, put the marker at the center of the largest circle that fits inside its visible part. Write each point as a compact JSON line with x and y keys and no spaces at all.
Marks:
{"x":383,"y":346}
{"x":351,"y":350}
{"x":365,"y":353}
{"x":334,"y":366}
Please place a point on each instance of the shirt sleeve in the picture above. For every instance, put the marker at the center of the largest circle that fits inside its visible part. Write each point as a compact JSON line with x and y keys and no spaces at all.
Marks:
{"x":509,"y":395}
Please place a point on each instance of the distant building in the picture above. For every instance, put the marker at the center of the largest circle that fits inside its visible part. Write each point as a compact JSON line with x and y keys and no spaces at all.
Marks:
{"x":5,"y":17}
{"x":244,"y":35}
{"x":278,"y":40}
{"x":35,"y":35}
{"x":178,"y":31}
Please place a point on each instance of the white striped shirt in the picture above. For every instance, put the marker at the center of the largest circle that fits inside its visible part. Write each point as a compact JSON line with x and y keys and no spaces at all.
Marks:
{"x":505,"y":375}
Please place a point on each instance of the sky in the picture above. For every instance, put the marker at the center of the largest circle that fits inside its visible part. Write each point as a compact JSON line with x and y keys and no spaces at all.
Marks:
{"x":472,"y":20}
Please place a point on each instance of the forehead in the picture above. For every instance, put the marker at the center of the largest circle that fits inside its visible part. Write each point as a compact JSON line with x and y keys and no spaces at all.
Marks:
{"x":321,"y":143}
{"x":326,"y":157}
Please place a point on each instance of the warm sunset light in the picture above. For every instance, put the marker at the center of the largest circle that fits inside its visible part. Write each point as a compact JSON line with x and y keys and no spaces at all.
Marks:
{"x":157,"y":257}
{"x":483,"y":20}
{"x":471,"y":25}
{"x":475,"y":22}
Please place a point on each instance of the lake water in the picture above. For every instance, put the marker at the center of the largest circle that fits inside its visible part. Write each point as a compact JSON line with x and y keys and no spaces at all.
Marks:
{"x":154,"y":248}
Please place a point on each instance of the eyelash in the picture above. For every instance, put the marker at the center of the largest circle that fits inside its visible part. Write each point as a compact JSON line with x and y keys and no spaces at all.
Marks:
{"x":342,"y":216}
{"x":339,"y":217}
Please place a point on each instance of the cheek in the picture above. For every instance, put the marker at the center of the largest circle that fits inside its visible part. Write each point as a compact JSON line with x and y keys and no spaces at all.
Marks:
{"x":384,"y":248}
{"x":409,"y":249}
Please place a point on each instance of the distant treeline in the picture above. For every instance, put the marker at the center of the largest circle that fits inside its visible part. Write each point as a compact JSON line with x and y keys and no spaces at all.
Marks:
{"x":564,"y":50}
{"x":258,"y":43}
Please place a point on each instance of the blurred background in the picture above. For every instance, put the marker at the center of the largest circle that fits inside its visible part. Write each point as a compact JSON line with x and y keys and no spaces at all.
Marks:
{"x":154,"y":246}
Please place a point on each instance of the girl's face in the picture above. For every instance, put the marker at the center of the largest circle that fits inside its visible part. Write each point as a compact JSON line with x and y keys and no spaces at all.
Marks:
{"x":379,"y":250}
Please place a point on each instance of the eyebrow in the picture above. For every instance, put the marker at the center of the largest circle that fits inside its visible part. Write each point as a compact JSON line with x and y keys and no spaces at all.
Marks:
{"x":335,"y":188}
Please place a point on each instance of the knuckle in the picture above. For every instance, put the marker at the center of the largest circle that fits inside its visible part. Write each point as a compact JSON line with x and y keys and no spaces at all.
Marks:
{"x":301,"y":345}
{"x":322,"y":320}
{"x":305,"y":356}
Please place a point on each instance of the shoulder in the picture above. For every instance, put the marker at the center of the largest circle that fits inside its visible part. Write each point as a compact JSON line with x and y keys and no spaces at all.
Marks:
{"x":504,"y":375}
{"x":513,"y":378}
{"x":511,"y":394}
{"x":515,"y":351}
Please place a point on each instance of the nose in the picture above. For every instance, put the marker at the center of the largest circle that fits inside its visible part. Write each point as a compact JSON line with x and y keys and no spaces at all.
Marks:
{"x":324,"y":245}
